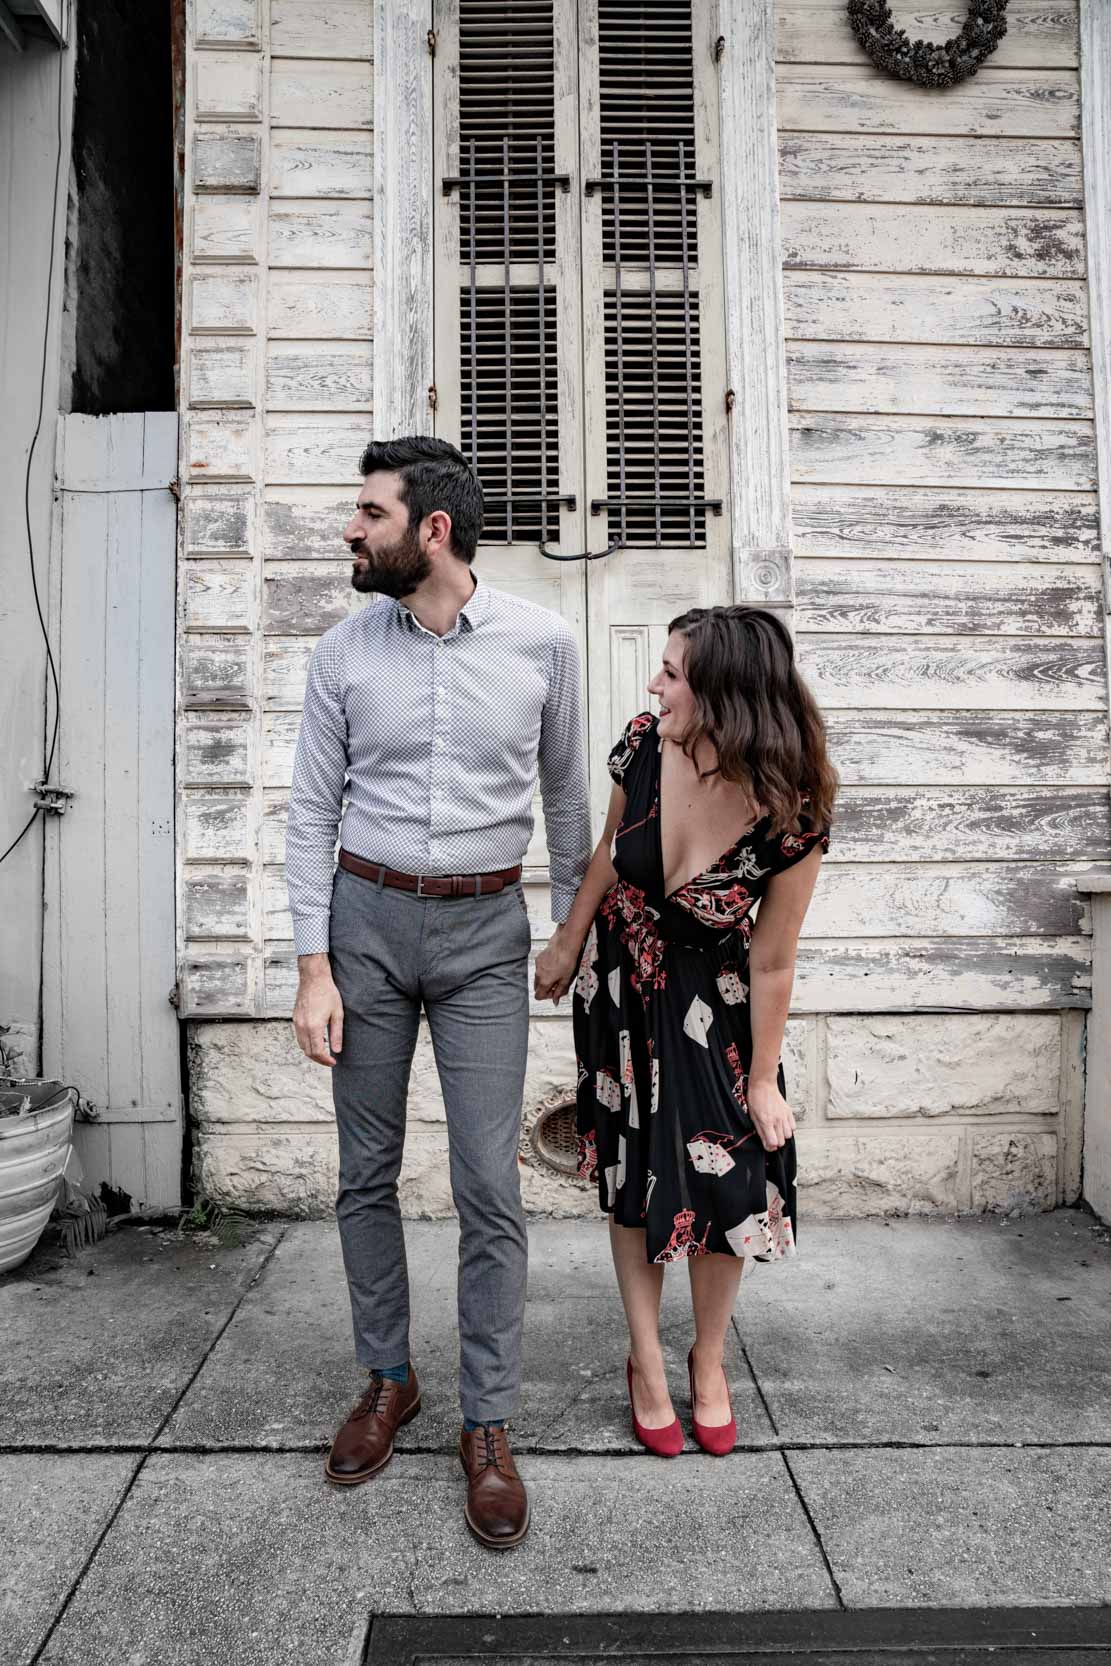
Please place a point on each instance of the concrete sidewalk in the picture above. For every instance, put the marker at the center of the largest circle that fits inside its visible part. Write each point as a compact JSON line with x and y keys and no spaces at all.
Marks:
{"x":924,"y":1407}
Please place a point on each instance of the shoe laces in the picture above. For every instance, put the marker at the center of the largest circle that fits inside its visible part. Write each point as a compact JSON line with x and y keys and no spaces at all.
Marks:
{"x":372,"y":1394}
{"x":495,"y":1449}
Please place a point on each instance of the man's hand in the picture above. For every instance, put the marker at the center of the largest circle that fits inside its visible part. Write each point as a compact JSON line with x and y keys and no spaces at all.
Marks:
{"x":318,"y":1011}
{"x":556,"y":967}
{"x":771,"y":1115}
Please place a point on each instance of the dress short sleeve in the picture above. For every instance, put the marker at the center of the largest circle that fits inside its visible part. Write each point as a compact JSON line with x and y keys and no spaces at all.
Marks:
{"x":625,"y":749}
{"x":793,"y":847}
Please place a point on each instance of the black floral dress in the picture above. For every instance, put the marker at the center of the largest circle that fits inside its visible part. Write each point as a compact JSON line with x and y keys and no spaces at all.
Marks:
{"x":663,"y":1039}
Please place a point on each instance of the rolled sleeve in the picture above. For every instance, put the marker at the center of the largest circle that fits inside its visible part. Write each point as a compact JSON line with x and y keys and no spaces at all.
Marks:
{"x":563,"y":782}
{"x":316,"y":802}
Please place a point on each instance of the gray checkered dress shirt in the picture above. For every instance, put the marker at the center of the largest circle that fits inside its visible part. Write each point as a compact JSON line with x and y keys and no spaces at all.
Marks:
{"x":435,"y":743}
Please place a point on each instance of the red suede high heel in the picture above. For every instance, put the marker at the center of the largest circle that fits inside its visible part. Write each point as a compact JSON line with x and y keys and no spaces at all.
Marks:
{"x":716,"y":1438}
{"x":664,"y":1443}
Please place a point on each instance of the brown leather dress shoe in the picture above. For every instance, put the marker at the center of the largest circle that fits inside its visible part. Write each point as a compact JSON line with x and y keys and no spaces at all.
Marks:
{"x":497,"y":1504}
{"x":365,"y":1443}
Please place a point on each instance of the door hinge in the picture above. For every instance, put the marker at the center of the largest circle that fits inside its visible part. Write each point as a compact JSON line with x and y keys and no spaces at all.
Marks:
{"x":433,"y":396}
{"x":730,"y":399}
{"x":53,"y":801}
{"x":432,"y":37}
{"x":719,"y":49}
{"x":174,"y":997}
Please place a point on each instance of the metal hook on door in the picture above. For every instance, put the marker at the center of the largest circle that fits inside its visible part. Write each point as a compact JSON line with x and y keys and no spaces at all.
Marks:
{"x":587,"y":555}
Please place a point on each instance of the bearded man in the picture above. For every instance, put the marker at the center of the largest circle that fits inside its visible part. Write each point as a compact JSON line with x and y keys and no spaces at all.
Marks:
{"x":431,"y":710}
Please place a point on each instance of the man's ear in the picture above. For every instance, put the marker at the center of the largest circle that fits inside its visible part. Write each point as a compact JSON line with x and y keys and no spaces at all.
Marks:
{"x":439,"y":527}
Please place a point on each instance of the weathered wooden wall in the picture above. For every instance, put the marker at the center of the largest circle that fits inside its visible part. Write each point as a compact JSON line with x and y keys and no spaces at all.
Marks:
{"x":945,"y":567}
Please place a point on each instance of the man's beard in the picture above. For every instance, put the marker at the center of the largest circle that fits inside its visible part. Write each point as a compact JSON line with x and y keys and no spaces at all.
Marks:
{"x":396,"y":571}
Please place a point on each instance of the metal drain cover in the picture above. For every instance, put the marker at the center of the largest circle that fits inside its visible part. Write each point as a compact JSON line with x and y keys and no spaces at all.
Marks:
{"x":870,"y":1637}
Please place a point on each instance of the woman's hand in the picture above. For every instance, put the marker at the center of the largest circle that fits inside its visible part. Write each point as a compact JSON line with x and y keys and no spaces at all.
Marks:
{"x":556,"y":966}
{"x":772,"y":1117}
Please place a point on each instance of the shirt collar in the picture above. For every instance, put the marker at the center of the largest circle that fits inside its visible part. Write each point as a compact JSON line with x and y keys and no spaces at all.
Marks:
{"x":471,"y":614}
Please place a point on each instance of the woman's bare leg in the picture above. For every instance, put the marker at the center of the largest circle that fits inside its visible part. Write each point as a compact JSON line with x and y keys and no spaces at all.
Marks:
{"x":641,"y":1284}
{"x":714,"y":1283}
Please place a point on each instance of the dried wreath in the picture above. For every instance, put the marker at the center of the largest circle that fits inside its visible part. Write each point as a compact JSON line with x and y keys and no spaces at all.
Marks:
{"x":924,"y":62}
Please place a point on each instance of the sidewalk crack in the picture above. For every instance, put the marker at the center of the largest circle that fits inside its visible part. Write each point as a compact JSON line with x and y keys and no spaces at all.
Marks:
{"x":814,"y":1529}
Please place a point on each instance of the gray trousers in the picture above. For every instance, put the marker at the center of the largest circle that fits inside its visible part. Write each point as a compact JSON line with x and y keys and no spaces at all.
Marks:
{"x":465,"y":960}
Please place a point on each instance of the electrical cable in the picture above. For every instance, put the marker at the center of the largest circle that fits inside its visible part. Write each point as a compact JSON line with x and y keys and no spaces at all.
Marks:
{"x":48,"y":754}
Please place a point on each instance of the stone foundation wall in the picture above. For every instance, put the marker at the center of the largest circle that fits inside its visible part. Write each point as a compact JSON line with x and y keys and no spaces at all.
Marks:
{"x":913,"y":1114}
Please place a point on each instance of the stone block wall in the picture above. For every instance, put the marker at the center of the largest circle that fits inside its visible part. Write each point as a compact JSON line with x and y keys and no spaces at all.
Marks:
{"x":916,"y":1114}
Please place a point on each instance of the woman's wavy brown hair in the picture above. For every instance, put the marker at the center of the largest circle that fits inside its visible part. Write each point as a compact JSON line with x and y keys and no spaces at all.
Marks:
{"x":756,"y":712}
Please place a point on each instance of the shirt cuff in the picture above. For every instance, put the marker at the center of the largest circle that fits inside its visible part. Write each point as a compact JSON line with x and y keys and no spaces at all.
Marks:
{"x":562,"y":898}
{"x":311,"y":933}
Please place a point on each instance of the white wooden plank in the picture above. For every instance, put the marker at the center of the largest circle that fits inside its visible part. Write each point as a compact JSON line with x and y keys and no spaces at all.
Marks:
{"x":300,"y":600}
{"x":304,"y":163}
{"x":216,"y":751}
{"x":221,"y":374}
{"x":1095,"y":25}
{"x":914,"y":237}
{"x":220,"y":448}
{"x":305,"y":523}
{"x":223,"y":303}
{"x":314,"y":449}
{"x":403,"y":368}
{"x":275,"y":813}
{"x":279,"y":743}
{"x":277,"y":920}
{"x":955,"y":673}
{"x":219,"y":596}
{"x":217,"y":903}
{"x":225,"y":162}
{"x":217,"y":523}
{"x":320,"y":306}
{"x":318,"y":376}
{"x":946,"y":381}
{"x":1030,"y":104}
{"x":216,"y":672}
{"x":1040,"y":35}
{"x":305,"y":28}
{"x":946,"y":452}
{"x":759,"y":488}
{"x":217,"y":826}
{"x":916,"y":975}
{"x":217,"y":985}
{"x":227,"y":23}
{"x":970,"y":312}
{"x":224,"y":229}
{"x":227,"y":86}
{"x":321,"y":234}
{"x":133,"y":452}
{"x":946,"y":899}
{"x":972,"y":824}
{"x":1006,"y":598}
{"x":333,"y":92}
{"x":162,"y":1163}
{"x":924,"y":748}
{"x":285,"y":668}
{"x":842,"y":522}
{"x":861,"y":167}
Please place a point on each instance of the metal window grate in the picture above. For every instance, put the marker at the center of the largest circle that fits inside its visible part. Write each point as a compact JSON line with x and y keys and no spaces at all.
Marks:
{"x":654,"y":459}
{"x":646,"y":113}
{"x":510,"y":427}
{"x":506,"y":129}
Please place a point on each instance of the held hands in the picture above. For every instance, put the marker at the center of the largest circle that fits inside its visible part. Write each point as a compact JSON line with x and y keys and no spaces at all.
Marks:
{"x":318,"y":1016}
{"x":772,"y":1117}
{"x":556,"y":967}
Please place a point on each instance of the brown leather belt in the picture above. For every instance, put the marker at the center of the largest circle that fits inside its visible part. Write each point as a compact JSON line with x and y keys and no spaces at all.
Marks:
{"x":431,"y":885}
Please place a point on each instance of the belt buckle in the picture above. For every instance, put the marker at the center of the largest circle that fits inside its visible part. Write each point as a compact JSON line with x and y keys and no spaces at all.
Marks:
{"x":420,"y":886}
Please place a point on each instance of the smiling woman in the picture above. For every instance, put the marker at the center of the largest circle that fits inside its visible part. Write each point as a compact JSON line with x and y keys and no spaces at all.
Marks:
{"x":719,"y":803}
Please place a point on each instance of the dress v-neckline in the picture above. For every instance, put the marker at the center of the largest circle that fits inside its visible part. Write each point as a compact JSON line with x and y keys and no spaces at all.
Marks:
{"x":718,"y":862}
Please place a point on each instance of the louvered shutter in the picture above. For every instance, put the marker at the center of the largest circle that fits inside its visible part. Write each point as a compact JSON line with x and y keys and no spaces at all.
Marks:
{"x":579,"y":332}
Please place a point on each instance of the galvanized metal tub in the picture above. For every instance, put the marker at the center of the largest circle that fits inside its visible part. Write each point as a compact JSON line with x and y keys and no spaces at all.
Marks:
{"x":36,"y":1128}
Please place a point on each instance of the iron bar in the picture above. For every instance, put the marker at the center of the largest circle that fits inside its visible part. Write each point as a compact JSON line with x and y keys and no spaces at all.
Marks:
{"x":654,"y":337}
{"x":618,"y":328}
{"x":508,"y":354}
{"x":688,"y":357}
{"x":455,"y":182}
{"x":704,"y":186}
{"x":543,"y":344}
{"x":474,"y":324}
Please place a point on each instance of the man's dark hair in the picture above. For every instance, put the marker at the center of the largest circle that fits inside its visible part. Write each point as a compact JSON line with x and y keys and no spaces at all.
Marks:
{"x":434,"y":475}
